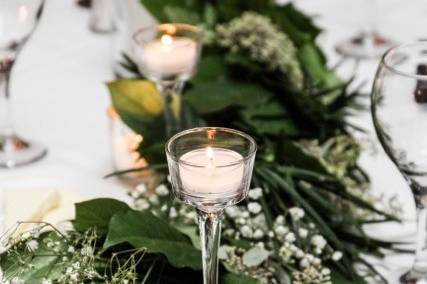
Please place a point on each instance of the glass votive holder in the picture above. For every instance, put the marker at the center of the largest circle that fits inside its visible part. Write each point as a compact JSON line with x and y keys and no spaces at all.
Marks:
{"x":124,"y":146}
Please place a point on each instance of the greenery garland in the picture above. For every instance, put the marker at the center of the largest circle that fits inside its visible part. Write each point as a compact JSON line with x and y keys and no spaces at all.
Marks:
{"x":261,"y":72}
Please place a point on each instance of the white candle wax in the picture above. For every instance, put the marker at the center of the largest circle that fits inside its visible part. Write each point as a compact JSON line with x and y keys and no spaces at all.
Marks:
{"x":211,"y":176}
{"x":170,"y":55}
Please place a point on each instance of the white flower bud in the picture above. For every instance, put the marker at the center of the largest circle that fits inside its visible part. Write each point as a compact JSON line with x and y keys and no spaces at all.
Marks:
{"x":336,"y":256}
{"x":296,"y":213}
{"x":254,"y":207}
{"x":258,"y":234}
{"x":304,"y":263}
{"x":290,"y":237}
{"x":255,"y":193}
{"x":303,"y":233}
{"x":281,"y":230}
{"x":172,"y":213}
{"x":318,"y":241}
{"x":162,"y":190}
{"x":141,"y":188}
{"x":246,"y":231}
{"x":326,"y":271}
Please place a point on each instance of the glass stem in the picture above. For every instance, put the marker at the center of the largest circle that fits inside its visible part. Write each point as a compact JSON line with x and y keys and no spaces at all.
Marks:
{"x":210,"y":234}
{"x":6,"y":127}
{"x":420,"y":263}
{"x":171,"y":92}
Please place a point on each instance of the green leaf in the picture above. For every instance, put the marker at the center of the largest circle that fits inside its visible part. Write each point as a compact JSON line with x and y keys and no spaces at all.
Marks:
{"x":43,"y":261}
{"x":163,"y":10}
{"x":269,"y":119}
{"x":231,"y":278}
{"x":216,"y":96}
{"x":210,"y":15}
{"x":338,"y":278}
{"x":144,"y":230}
{"x":190,"y":231}
{"x":314,"y":64}
{"x":294,"y":23}
{"x":294,"y":155}
{"x":140,"y":106}
{"x":181,"y":15}
{"x":97,"y":213}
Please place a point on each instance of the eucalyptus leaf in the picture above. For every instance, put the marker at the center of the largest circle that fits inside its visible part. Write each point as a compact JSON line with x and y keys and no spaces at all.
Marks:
{"x":145,"y":231}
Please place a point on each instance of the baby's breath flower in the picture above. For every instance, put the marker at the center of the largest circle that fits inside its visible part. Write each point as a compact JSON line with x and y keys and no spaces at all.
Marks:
{"x":303,"y":233}
{"x":290,"y":237}
{"x":296,"y":213}
{"x":318,"y":241}
{"x":246,"y":231}
{"x":281,"y":230}
{"x":162,"y":190}
{"x":172,"y":213}
{"x":32,"y":245}
{"x":336,"y":256}
{"x":264,"y":42}
{"x":142,"y":204}
{"x":141,"y":188}
{"x":254,"y":207}
{"x":255,"y":193}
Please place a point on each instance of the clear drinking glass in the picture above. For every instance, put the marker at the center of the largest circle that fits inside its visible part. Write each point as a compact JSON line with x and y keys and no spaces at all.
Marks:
{"x":399,"y":111}
{"x":18,"y":19}
{"x":168,"y":54}
{"x":369,"y":43}
{"x":211,"y":169}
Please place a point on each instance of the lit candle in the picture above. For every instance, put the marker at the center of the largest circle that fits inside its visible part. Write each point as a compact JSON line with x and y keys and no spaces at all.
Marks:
{"x":170,"y":55}
{"x":211,"y":170}
{"x":125,"y":143}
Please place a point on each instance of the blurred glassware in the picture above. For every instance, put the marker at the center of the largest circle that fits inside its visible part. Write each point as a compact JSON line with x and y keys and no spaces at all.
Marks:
{"x":18,"y":19}
{"x":124,"y":146}
{"x":168,"y":54}
{"x":101,"y":16}
{"x":369,"y":43}
{"x":128,"y":17}
{"x":399,"y":112}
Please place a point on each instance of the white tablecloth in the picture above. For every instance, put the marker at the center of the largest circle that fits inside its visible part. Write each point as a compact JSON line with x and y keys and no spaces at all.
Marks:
{"x":59,"y":98}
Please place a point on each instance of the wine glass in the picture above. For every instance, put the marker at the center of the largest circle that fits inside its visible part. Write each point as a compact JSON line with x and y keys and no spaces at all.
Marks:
{"x":369,"y":43}
{"x":18,"y":19}
{"x":211,"y":169}
{"x":399,"y":111}
{"x":168,"y":54}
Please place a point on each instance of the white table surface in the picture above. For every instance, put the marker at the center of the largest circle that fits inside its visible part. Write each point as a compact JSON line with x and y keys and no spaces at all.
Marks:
{"x":59,"y":98}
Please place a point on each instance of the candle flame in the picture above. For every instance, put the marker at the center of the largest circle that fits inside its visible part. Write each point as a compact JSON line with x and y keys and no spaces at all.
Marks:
{"x":210,"y":153}
{"x":166,"y":40}
{"x":23,"y":13}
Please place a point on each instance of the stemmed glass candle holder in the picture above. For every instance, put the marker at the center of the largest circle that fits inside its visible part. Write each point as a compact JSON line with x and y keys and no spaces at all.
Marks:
{"x":18,"y":20}
{"x":211,"y":169}
{"x":399,"y":111}
{"x":168,"y":54}
{"x":369,"y":43}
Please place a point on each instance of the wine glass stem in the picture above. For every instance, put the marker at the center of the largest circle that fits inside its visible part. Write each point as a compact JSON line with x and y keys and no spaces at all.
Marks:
{"x":420,"y":263}
{"x":210,"y":233}
{"x":6,"y":128}
{"x":171,"y":92}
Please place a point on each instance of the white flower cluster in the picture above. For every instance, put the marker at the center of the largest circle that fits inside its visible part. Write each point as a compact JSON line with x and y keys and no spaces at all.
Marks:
{"x":289,"y":238}
{"x":73,"y":252}
{"x":265,"y":43}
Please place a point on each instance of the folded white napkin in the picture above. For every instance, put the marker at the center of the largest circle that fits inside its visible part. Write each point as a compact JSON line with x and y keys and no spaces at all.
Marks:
{"x":51,"y":205}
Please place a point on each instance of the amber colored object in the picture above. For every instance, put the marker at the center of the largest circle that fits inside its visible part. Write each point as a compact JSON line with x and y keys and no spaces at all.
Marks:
{"x":421,"y":88}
